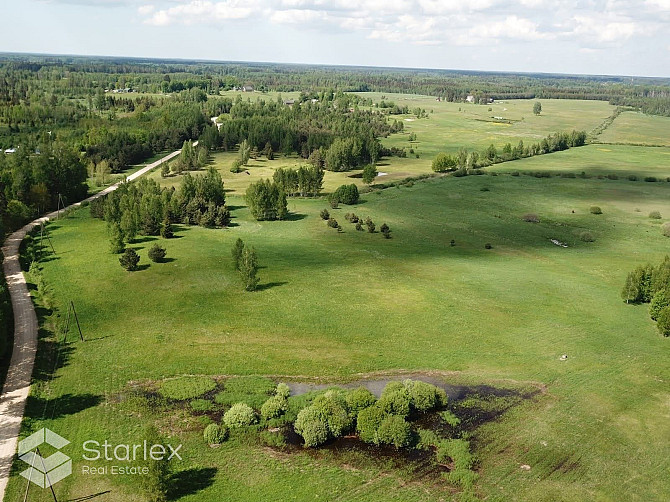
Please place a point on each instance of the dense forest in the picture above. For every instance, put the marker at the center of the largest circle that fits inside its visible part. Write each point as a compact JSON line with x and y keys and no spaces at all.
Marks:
{"x":64,"y":118}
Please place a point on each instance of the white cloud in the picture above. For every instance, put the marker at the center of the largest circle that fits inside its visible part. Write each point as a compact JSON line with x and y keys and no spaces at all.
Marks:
{"x":145,"y":10}
{"x":659,"y":4}
{"x":587,"y":23}
{"x":595,"y":28}
{"x":201,"y":11}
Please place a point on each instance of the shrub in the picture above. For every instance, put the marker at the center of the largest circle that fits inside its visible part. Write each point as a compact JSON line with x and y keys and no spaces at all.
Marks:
{"x":595,"y":210}
{"x":333,"y":408}
{"x":129,"y":259}
{"x":347,"y":194}
{"x":157,"y":253}
{"x":488,"y":246}
{"x":239,"y":415}
{"x":325,"y":215}
{"x":586,"y":237}
{"x":332,"y":223}
{"x":368,"y":421}
{"x":659,"y":301}
{"x":395,"y":401}
{"x":423,"y":396}
{"x":334,"y":203}
{"x":663,"y":321}
{"x":311,"y":425}
{"x":215,"y":434}
{"x":359,"y":226}
{"x":188,"y":387}
{"x":274,"y":407}
{"x":531,"y":218}
{"x":359,"y":399}
{"x":632,"y":177}
{"x":394,"y":430}
{"x":200,"y":405}
{"x":655,"y":215}
{"x":452,"y":243}
{"x":665,"y":228}
{"x":353,"y":218}
{"x":650,"y":179}
{"x":283,"y":390}
{"x":385,"y":230}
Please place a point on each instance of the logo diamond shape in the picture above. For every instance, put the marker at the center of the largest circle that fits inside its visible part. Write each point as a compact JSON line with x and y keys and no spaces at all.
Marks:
{"x":45,"y":472}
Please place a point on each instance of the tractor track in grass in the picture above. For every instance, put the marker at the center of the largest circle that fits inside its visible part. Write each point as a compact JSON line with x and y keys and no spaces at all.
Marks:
{"x":17,"y":384}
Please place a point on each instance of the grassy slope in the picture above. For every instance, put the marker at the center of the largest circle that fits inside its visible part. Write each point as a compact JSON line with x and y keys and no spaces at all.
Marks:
{"x":337,"y":304}
{"x":598,"y":160}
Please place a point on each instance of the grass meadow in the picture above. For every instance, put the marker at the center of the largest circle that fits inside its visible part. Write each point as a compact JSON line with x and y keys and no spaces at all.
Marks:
{"x":334,"y":306}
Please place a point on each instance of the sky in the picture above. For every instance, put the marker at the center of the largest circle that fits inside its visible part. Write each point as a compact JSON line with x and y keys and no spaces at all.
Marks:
{"x":613,"y":37}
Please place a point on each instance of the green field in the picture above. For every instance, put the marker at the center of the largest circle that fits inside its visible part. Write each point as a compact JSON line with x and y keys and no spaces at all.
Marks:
{"x":639,"y":129}
{"x":357,"y":303}
{"x":598,"y":160}
{"x":336,"y":307}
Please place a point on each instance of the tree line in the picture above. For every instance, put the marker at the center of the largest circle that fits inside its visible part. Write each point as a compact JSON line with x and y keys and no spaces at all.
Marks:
{"x":464,"y":160}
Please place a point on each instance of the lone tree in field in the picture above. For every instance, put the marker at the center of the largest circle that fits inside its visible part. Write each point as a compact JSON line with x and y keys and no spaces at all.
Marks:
{"x":249,"y":268}
{"x":129,"y":259}
{"x":237,"y":250}
{"x":369,"y":173}
{"x":537,"y":108}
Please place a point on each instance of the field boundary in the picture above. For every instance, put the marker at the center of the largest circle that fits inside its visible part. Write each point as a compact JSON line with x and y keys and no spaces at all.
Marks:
{"x":19,"y":374}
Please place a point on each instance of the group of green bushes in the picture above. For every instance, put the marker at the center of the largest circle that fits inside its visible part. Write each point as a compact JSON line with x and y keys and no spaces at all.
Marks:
{"x":130,"y":259}
{"x":651,"y":284}
{"x":353,"y":218}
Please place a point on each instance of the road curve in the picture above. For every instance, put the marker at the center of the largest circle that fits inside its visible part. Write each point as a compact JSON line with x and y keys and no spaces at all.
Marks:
{"x":17,"y":385}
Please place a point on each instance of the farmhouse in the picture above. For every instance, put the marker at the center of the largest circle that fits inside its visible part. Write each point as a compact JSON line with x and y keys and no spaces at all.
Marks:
{"x":470,"y":98}
{"x":247,"y":88}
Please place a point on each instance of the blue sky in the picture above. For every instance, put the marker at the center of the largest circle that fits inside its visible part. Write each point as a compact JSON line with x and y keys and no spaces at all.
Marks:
{"x":565,"y":36}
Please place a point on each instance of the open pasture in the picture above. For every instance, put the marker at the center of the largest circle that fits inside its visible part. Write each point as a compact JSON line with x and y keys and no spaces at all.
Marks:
{"x":332,"y":305}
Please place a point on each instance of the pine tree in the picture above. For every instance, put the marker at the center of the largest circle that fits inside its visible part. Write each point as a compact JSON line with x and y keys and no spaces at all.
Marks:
{"x":249,"y":268}
{"x":238,"y":247}
{"x":116,"y":242}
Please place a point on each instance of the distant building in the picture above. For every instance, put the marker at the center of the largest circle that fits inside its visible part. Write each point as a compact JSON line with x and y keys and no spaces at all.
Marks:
{"x":470,"y":98}
{"x":247,"y":88}
{"x":289,"y":102}
{"x":10,"y":150}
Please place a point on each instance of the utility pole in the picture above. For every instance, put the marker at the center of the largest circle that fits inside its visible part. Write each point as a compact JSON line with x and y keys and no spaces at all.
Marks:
{"x":77,"y":319}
